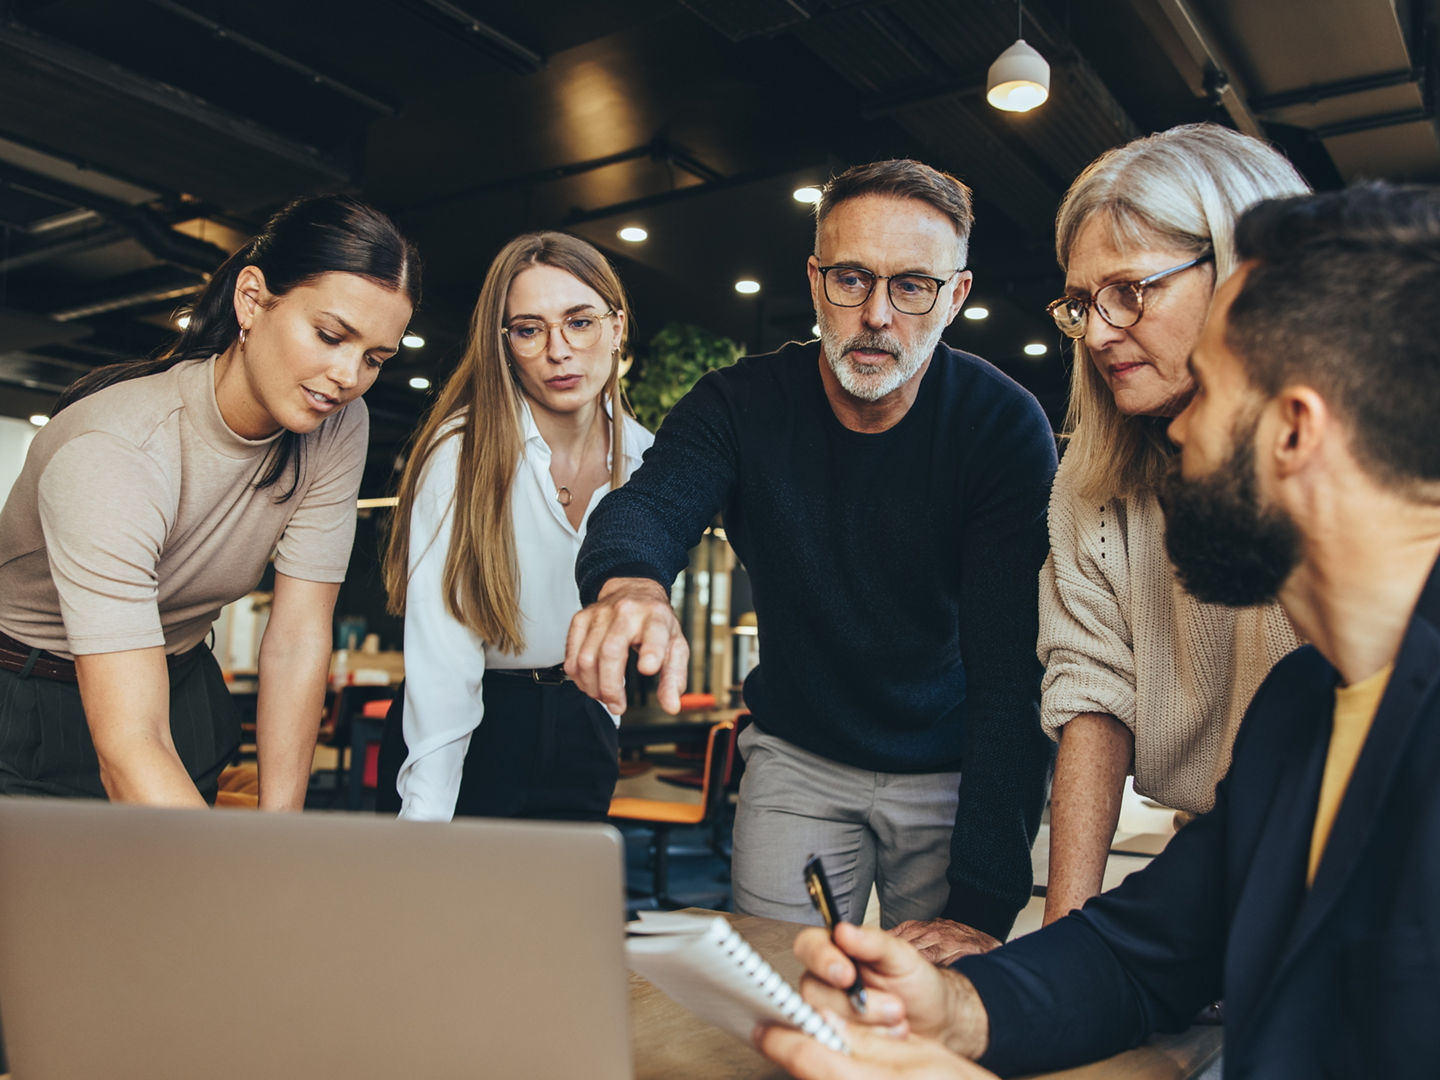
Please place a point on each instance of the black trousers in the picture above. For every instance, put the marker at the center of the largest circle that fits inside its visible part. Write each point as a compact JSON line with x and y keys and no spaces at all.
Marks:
{"x":45,"y":745}
{"x":541,"y":751}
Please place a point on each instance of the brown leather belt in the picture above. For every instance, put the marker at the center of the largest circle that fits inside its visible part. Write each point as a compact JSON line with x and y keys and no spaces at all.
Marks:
{"x":31,"y":662}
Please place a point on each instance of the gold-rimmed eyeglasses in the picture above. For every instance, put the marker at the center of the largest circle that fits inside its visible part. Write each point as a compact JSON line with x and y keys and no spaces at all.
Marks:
{"x":531,"y":337}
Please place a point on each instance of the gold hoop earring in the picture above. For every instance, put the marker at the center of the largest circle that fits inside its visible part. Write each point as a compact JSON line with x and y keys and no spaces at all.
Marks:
{"x":244,"y":331}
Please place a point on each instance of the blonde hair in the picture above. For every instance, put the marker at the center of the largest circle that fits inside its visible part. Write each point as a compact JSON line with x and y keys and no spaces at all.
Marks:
{"x":481,"y":580}
{"x":1184,"y":188}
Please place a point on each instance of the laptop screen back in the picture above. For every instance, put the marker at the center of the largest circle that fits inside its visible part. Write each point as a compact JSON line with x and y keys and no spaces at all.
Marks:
{"x":154,"y":944}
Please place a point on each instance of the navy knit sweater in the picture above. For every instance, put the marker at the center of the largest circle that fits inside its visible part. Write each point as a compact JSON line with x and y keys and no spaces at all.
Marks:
{"x":894,"y":577}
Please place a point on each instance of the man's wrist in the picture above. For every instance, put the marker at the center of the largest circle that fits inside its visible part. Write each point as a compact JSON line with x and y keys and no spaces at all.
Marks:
{"x":968,"y":1031}
{"x":638,"y":584}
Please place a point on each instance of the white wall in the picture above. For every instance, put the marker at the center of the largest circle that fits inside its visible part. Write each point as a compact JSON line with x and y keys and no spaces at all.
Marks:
{"x":15,"y":436}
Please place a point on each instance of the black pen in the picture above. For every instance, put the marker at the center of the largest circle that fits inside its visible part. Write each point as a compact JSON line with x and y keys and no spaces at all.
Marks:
{"x":824,"y":900}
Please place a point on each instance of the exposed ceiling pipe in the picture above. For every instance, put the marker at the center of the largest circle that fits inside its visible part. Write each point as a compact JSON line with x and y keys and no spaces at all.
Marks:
{"x":473,"y":31}
{"x":319,"y":78}
{"x":126,"y":300}
{"x":147,"y":227}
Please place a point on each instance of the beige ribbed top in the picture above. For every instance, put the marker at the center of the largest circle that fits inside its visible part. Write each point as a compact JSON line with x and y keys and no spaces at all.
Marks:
{"x":1119,"y":635}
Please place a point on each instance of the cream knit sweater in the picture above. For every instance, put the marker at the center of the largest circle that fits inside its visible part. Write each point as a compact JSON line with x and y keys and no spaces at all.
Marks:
{"x":1119,"y":635}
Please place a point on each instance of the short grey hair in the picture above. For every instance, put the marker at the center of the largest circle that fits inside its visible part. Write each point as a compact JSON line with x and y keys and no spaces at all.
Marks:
{"x":902,"y":178}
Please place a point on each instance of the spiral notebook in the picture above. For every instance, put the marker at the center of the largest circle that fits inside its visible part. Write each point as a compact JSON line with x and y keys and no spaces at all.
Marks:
{"x":703,"y":963}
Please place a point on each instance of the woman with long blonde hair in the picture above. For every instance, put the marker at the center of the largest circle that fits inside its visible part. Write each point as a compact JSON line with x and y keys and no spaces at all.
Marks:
{"x":525,"y":438}
{"x":1139,"y":676}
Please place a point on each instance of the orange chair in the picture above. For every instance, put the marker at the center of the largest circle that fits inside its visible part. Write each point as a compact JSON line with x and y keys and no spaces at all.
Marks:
{"x":661,"y":815}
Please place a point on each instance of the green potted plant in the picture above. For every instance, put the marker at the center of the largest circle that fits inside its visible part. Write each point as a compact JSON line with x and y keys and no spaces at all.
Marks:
{"x":678,"y":355}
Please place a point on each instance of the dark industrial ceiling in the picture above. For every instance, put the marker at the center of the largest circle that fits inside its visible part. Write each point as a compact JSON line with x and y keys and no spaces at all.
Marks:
{"x":141,"y":140}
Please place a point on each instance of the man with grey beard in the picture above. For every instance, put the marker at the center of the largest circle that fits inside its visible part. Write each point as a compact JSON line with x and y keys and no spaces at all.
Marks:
{"x":887,"y":495}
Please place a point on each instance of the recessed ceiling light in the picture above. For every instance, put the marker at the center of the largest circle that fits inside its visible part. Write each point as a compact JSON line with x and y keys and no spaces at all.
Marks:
{"x":413,"y":341}
{"x":815,"y":329}
{"x":183,"y":321}
{"x":977,"y":312}
{"x":419,"y":382}
{"x":633,"y":233}
{"x":39,"y":419}
{"x":1035,"y":348}
{"x":806,"y":194}
{"x":748,"y":286}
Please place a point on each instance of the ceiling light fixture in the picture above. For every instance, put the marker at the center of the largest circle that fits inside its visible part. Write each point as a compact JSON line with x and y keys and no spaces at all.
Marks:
{"x":806,"y":195}
{"x":747,"y":286}
{"x":419,"y":382}
{"x":977,"y":312}
{"x":1035,"y":348}
{"x":633,"y":234}
{"x":413,"y":341}
{"x":1019,"y":78}
{"x":39,"y":419}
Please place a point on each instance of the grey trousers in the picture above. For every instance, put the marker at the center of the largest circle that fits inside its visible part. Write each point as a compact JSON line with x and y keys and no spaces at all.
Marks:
{"x":891,"y":830}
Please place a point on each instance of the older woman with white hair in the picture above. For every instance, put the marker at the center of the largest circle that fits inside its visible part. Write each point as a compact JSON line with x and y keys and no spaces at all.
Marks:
{"x":1139,"y":676}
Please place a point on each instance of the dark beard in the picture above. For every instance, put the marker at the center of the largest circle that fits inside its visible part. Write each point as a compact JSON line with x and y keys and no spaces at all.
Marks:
{"x":1225,"y":548}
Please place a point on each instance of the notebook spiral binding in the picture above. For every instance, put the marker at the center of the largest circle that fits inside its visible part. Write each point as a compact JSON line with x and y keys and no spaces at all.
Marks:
{"x":785,"y":997}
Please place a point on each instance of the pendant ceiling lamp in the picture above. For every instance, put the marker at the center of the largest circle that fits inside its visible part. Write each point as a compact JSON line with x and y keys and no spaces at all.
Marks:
{"x":1019,"y":78}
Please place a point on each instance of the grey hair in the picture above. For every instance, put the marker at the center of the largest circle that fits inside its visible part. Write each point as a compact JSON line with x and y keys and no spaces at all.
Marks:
{"x":1184,"y":188}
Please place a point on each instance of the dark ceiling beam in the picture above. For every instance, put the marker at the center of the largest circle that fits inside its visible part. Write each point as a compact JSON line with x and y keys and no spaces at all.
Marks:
{"x":479,"y":34}
{"x":68,"y":219}
{"x":125,"y":299}
{"x":1313,"y":95}
{"x":1371,"y":123}
{"x":61,"y":249}
{"x":113,"y":80}
{"x":658,"y":149}
{"x":1210,"y":72}
{"x":889,"y":106}
{"x":664,"y":198}
{"x":319,"y":78}
{"x":146,"y":226}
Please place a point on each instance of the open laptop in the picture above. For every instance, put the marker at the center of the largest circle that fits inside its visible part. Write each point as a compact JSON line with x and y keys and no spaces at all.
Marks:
{"x":230,"y":945}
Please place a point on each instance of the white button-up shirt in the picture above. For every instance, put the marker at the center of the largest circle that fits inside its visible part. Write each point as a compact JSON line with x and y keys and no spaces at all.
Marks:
{"x":444,"y":659}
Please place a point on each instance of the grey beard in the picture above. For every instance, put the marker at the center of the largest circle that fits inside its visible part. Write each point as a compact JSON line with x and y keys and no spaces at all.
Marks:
{"x":869,"y":385}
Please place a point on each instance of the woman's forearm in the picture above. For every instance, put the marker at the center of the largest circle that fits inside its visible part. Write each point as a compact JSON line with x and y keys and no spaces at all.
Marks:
{"x":1095,"y":755}
{"x":126,"y":696}
{"x":294,"y":665}
{"x":288,"y":712}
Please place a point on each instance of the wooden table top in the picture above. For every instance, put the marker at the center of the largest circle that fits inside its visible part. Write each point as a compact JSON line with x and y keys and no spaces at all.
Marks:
{"x":670,"y":1042}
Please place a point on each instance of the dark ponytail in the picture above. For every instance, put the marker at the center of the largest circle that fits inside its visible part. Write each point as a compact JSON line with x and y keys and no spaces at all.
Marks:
{"x":315,"y":235}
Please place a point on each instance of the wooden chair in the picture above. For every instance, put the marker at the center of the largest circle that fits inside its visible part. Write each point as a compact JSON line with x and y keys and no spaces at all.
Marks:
{"x":661,"y":815}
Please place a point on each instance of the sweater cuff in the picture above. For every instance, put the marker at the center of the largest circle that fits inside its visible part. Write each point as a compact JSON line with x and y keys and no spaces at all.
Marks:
{"x":984,"y":913}
{"x":590,"y":591}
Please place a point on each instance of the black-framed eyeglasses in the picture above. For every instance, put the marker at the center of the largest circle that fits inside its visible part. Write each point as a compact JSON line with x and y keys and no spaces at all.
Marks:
{"x":1121,"y":303}
{"x":531,"y":337}
{"x":910,"y":294}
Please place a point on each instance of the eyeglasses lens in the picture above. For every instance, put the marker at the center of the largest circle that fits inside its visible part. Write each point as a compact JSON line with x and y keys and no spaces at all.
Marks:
{"x":1119,"y":304}
{"x":910,"y":294}
{"x":532,"y":338}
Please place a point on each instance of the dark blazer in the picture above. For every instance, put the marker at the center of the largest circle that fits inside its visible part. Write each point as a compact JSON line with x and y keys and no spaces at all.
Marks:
{"x":1338,"y":980}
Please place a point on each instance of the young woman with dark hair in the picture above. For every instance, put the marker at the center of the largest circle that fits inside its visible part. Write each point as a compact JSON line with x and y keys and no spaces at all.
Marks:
{"x":524,"y":440}
{"x":157,"y":494}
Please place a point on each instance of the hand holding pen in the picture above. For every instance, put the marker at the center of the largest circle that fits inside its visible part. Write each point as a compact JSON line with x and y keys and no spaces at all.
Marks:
{"x":824,"y":900}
